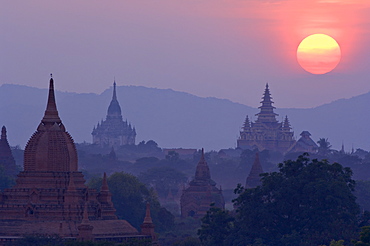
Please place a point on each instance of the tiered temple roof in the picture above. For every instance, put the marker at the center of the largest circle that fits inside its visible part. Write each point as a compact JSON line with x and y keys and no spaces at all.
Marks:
{"x":50,"y":195}
{"x":305,"y":144}
{"x":114,"y":132}
{"x":266,"y":132}
{"x":201,"y":192}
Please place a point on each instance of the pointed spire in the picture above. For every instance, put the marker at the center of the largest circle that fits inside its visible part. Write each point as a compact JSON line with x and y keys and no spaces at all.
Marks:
{"x":254,"y":178}
{"x":148,"y":218}
{"x":202,"y":158}
{"x":114,"y":110}
{"x":202,"y":171}
{"x":286,"y":124}
{"x":247,"y":124}
{"x":147,"y":227}
{"x":266,"y":113}
{"x":71,"y":184}
{"x":104,"y":186}
{"x":114,"y":90}
{"x":51,"y":112}
{"x":85,"y":219}
{"x":3,"y":133}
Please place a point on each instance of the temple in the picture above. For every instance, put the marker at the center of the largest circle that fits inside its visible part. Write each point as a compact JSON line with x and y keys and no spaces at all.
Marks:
{"x":113,"y":132}
{"x":7,"y":162}
{"x":266,"y":132}
{"x":202,"y":192}
{"x":305,"y":144}
{"x":50,"y":196}
{"x":254,"y":179}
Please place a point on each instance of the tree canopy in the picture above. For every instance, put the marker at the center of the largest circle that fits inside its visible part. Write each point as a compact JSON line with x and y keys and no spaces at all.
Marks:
{"x":163,"y":179}
{"x":129,"y":197}
{"x":307,"y":202}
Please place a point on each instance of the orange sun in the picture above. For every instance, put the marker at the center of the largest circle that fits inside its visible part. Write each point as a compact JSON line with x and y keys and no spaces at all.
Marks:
{"x":318,"y":54}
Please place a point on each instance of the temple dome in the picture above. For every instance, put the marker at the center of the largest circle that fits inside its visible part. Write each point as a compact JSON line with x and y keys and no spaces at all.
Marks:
{"x":114,"y":110}
{"x":50,"y":148}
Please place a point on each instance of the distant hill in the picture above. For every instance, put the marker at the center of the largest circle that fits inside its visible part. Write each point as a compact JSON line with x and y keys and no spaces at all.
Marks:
{"x":177,"y":119}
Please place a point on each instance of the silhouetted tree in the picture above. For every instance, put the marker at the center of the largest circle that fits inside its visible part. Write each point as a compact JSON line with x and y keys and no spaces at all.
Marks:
{"x":364,"y":237}
{"x":163,"y":179}
{"x":307,"y":202}
{"x":217,"y":226}
{"x":129,"y":197}
{"x":324,"y":147}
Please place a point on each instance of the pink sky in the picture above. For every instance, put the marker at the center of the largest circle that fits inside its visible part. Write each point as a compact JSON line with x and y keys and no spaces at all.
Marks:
{"x":227,"y":49}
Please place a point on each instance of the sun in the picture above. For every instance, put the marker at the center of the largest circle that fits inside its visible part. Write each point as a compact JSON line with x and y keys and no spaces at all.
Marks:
{"x":318,"y":54}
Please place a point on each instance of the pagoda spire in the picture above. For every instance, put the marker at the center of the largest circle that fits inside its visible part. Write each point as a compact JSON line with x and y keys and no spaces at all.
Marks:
{"x":147,"y":227}
{"x":254,"y":179}
{"x":114,"y":109}
{"x":104,"y":186}
{"x":104,"y":194}
{"x":266,"y":113}
{"x":247,"y":124}
{"x":71,"y":184}
{"x":51,"y":112}
{"x":148,"y":217}
{"x":3,"y":133}
{"x":114,"y":90}
{"x":286,"y":124}
{"x":85,"y":230}
{"x":85,"y":219}
{"x":202,"y":172}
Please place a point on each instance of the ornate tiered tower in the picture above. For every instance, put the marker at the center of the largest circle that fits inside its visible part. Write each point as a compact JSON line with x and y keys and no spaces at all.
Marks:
{"x":7,"y":162}
{"x":196,"y":199}
{"x":266,"y":132}
{"x":50,"y":196}
{"x":114,"y":131}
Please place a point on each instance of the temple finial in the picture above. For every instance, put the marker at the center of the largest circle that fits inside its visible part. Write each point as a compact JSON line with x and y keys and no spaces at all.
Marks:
{"x":148,"y":218}
{"x":85,"y":219}
{"x":71,"y":184}
{"x":254,"y":179}
{"x":104,"y":186}
{"x":51,"y":112}
{"x":114,"y":90}
{"x":202,"y":170}
{"x":3,"y":133}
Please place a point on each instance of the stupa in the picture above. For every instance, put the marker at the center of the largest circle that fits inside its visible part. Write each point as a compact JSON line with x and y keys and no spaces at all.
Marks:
{"x":201,"y":193}
{"x":50,"y":196}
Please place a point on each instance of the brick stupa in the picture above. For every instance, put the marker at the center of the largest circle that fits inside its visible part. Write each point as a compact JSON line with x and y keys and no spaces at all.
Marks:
{"x":7,"y":162}
{"x":50,"y":196}
{"x":201,"y":193}
{"x":254,"y":178}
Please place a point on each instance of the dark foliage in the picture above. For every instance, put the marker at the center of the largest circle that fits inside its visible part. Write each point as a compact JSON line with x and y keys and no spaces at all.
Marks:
{"x":217,"y":226}
{"x":164,"y":180}
{"x":129,"y":197}
{"x":364,"y":237}
{"x":307,"y":202}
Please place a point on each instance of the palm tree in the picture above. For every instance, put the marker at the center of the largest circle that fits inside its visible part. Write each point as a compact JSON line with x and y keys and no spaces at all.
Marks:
{"x":324,"y":147}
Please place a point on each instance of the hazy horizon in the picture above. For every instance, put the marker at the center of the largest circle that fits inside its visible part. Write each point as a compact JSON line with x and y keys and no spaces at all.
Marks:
{"x":222,"y":49}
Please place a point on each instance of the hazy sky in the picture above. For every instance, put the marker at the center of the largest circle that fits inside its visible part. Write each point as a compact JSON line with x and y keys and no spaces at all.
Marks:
{"x":226,"y":49}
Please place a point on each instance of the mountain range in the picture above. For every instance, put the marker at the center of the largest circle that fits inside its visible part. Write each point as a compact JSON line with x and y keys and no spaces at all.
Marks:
{"x":176,"y":119}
